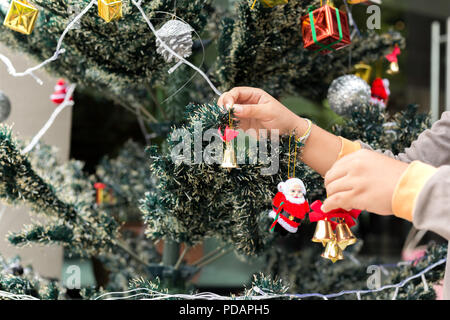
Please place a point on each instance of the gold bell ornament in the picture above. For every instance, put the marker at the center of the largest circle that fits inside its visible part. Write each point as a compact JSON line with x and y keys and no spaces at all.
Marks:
{"x":21,"y":16}
{"x":324,"y":232}
{"x":229,"y":157}
{"x":110,"y":10}
{"x":364,"y":71}
{"x":333,"y":252}
{"x":393,"y":68}
{"x":393,"y":59}
{"x":344,"y":236}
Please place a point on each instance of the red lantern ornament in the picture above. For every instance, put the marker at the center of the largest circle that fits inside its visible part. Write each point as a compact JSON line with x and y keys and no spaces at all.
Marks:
{"x":325,"y":29}
{"x":60,"y":92}
{"x":99,"y":196}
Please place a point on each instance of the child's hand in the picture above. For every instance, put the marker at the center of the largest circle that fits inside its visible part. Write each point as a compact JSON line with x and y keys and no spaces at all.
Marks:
{"x":363,"y":180}
{"x":257,"y":109}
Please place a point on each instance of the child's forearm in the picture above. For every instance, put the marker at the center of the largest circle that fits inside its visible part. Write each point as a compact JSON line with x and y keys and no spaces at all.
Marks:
{"x":322,"y":148}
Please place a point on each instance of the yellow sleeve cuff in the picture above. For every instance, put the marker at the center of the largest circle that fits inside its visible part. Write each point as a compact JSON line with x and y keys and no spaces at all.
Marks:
{"x":408,"y":188}
{"x":348,"y":147}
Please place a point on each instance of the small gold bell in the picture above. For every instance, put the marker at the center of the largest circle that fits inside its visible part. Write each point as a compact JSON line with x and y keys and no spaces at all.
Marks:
{"x":393,"y":68}
{"x":332,"y":252}
{"x":229,"y":157}
{"x":344,"y":236}
{"x":324,"y":232}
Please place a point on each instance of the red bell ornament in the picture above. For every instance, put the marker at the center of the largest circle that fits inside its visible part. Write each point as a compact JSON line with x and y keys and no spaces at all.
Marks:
{"x":325,"y":29}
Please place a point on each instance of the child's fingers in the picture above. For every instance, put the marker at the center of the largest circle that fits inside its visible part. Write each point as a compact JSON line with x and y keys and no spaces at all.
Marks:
{"x":220,"y":101}
{"x":339,"y":185}
{"x":337,"y":171}
{"x":242,"y":95}
{"x":340,"y":200}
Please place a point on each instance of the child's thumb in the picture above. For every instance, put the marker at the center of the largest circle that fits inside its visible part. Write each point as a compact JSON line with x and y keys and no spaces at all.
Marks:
{"x":247,"y":110}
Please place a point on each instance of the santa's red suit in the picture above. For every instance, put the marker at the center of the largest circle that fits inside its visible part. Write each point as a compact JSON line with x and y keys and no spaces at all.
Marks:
{"x":291,"y":213}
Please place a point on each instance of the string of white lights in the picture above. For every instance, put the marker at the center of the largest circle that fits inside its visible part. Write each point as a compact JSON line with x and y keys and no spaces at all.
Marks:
{"x":66,"y":103}
{"x":12,"y":296}
{"x":149,"y":294}
{"x":58,"y":50}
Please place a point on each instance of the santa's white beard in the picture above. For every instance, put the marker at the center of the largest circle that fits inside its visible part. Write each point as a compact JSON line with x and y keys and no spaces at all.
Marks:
{"x":295,"y":200}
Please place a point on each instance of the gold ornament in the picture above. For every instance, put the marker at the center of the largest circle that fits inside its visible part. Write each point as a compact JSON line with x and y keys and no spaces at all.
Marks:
{"x":21,"y":16}
{"x":333,"y":252}
{"x":110,"y":10}
{"x":364,"y":71}
{"x":273,"y":3}
{"x":229,"y":157}
{"x":344,"y":236}
{"x":324,"y":232}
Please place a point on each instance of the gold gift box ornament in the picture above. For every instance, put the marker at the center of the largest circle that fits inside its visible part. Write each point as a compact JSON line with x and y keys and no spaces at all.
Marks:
{"x":110,"y":10}
{"x":21,"y":16}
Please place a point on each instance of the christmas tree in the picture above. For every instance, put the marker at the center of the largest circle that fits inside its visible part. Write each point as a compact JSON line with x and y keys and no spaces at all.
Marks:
{"x":186,"y":199}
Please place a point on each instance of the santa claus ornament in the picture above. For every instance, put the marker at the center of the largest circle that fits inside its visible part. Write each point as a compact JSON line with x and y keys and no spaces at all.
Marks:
{"x":380,"y":92}
{"x":289,"y":206}
{"x":60,"y":92}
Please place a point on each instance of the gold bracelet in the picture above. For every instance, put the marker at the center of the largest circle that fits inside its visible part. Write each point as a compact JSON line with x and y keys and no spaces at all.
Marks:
{"x":305,"y":137}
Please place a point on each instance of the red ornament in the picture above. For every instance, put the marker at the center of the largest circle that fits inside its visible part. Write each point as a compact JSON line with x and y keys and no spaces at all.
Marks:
{"x":99,"y":187}
{"x":393,"y":56}
{"x":228,"y":135}
{"x":60,"y":92}
{"x":317,"y":214}
{"x":325,"y":29}
{"x":288,"y":210}
{"x":380,"y":91}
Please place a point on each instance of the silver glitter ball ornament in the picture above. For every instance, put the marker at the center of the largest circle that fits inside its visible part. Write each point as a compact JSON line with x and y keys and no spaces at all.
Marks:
{"x":5,"y":107}
{"x":347,"y":93}
{"x":177,"y":36}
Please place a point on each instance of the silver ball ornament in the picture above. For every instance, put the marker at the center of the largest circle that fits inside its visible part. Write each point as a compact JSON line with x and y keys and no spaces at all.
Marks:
{"x":5,"y":107}
{"x":348,"y":92}
{"x":177,"y":36}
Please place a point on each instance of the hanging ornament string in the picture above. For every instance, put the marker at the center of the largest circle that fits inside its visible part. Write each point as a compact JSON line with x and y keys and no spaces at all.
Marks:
{"x":230,"y":121}
{"x":352,"y":22}
{"x":289,"y":155}
{"x":295,"y":158}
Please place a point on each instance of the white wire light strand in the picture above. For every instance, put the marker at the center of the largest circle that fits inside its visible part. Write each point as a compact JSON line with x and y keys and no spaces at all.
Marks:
{"x":12,"y":71}
{"x":152,"y":28}
{"x":155,"y":295}
{"x":66,"y":103}
{"x":12,"y":296}
{"x":149,"y":294}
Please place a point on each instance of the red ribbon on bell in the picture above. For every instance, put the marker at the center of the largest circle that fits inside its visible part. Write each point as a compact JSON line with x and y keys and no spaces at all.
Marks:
{"x":317,"y":214}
